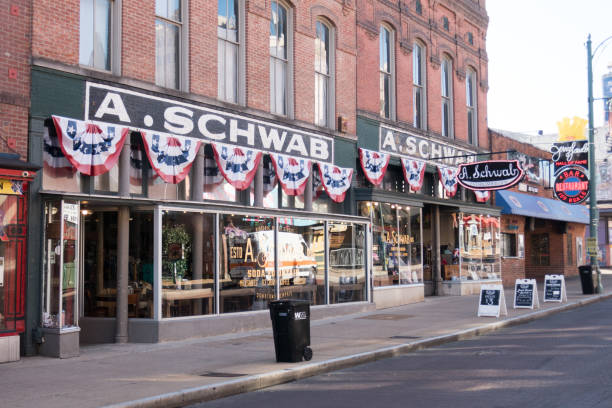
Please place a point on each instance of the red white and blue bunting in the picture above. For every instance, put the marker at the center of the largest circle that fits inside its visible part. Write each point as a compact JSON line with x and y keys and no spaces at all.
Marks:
{"x":237,"y":164}
{"x":292,"y":173}
{"x":482,"y":196}
{"x":374,"y":165}
{"x":448,"y":178}
{"x":54,"y":160}
{"x":336,"y":180}
{"x":170,"y":156}
{"x":414,"y":173}
{"x":92,"y":148}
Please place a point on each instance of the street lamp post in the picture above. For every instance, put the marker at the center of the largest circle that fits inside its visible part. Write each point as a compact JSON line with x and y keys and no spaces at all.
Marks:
{"x":593,"y":213}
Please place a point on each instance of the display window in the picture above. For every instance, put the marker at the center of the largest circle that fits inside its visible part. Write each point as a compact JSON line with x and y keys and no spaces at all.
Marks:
{"x":480,"y":247}
{"x":347,"y":272}
{"x":60,"y":280}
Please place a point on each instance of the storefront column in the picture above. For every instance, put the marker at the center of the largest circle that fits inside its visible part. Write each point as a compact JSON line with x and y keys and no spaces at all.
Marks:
{"x":123,"y":250}
{"x":197,"y":191}
{"x":124,"y":169}
{"x":308,"y":194}
{"x":436,"y":250}
{"x":258,"y":202}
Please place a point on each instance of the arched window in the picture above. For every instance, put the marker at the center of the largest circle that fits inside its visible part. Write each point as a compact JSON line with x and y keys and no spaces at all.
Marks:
{"x":229,"y":29}
{"x":280,"y":53}
{"x":387,"y":72}
{"x":324,"y":75}
{"x":419,"y":85}
{"x":471,"y":105}
{"x":446,"y":85}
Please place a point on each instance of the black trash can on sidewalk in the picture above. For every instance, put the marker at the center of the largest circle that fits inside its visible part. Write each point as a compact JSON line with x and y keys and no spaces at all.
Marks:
{"x":291,"y":328}
{"x":586,"y":279}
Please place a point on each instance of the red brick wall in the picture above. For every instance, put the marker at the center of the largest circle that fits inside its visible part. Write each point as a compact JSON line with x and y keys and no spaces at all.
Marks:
{"x":15,"y":17}
{"x":513,"y":268}
{"x":408,"y":26}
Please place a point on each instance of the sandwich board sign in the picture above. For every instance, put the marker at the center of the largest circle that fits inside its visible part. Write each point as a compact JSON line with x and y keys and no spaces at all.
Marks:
{"x":492,"y":301}
{"x":526,"y":294}
{"x":554,"y":288}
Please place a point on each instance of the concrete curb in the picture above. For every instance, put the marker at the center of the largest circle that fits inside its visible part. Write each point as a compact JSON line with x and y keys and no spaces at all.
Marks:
{"x":260,"y":381}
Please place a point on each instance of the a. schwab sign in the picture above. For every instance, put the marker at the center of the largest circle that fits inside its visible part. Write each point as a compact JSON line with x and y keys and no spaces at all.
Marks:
{"x":152,"y":113}
{"x":490,"y":175}
{"x":401,"y":143}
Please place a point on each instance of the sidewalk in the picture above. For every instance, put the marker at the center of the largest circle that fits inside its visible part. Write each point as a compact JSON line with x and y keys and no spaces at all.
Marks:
{"x":166,"y":374}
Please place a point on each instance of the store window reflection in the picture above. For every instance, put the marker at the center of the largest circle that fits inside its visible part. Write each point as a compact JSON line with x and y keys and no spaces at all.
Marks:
{"x":302,"y":259}
{"x":480,"y":246}
{"x":187,"y":264}
{"x":347,"y":272}
{"x":246,"y":276}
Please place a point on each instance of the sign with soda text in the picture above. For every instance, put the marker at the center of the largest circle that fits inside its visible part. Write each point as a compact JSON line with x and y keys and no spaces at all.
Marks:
{"x":492,"y":301}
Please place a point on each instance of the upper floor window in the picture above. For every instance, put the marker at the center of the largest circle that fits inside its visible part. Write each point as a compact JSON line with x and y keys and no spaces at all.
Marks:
{"x":418,"y":83}
{"x":95,"y":34}
{"x":386,"y":67}
{"x":279,"y":59}
{"x":447,"y":97}
{"x":470,"y":98}
{"x":418,"y":7}
{"x":323,"y":76}
{"x":445,"y":23}
{"x":470,"y":38}
{"x":228,"y":46}
{"x":168,"y":26}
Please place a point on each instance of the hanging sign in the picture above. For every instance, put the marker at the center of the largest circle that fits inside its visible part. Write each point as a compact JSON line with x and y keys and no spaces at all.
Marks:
{"x":490,"y":175}
{"x":572,"y":185}
{"x":554,"y":288}
{"x":374,"y":165}
{"x":336,"y":180}
{"x":448,"y":177}
{"x":572,"y":153}
{"x":170,"y":156}
{"x":292,"y":173}
{"x":238,"y":165}
{"x":12,"y":187}
{"x":92,"y":148}
{"x":492,"y":301}
{"x":159,"y":113}
{"x":414,"y":173}
{"x":526,"y":294}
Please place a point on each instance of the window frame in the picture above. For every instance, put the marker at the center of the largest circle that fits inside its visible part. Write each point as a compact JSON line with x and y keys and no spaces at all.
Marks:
{"x":422,"y":103}
{"x":471,"y":103}
{"x":390,"y":73}
{"x":330,"y":76}
{"x":513,"y":237}
{"x":288,"y":102}
{"x":240,"y":63}
{"x":446,"y":73}
{"x":183,"y":54}
{"x":114,"y":43}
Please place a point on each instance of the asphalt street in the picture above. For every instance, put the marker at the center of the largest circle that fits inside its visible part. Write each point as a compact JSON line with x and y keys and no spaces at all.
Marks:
{"x":564,"y":360}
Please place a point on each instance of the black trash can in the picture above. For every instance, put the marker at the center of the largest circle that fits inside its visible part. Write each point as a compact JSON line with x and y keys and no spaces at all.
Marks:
{"x":586,"y":279}
{"x":291,"y":328}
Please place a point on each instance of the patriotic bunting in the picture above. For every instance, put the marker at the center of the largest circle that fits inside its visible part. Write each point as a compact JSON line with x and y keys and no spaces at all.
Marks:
{"x":336,"y":180}
{"x":237,"y":164}
{"x":92,"y":148}
{"x":374,"y":165}
{"x":171,"y":156}
{"x":448,"y":178}
{"x":414,"y":173}
{"x":292,"y":173}
{"x":269,"y":177}
{"x":55,"y":163}
{"x":482,"y":196}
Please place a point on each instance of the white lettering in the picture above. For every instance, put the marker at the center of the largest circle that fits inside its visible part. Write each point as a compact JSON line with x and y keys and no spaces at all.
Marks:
{"x":174,"y":116}
{"x":202,"y":122}
{"x":235,"y":131}
{"x":117,"y":109}
{"x":424,"y":149}
{"x":318,"y":149}
{"x":267,"y":139}
{"x":389,"y":141}
{"x":436,"y":150}
{"x":297,"y":143}
{"x":411,"y":145}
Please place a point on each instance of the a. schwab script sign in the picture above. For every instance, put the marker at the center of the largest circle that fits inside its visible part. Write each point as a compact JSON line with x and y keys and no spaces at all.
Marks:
{"x":490,"y":175}
{"x":152,"y":113}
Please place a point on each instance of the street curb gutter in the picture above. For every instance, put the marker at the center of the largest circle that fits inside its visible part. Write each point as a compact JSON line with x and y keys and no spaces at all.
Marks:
{"x":260,"y":381}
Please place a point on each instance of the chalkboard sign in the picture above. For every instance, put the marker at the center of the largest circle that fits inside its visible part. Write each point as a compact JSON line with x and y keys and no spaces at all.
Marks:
{"x":526,"y":294}
{"x":554,"y":288}
{"x":492,"y":301}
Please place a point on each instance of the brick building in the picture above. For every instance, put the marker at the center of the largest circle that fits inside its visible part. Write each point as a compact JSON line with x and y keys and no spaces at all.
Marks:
{"x":540,"y":234}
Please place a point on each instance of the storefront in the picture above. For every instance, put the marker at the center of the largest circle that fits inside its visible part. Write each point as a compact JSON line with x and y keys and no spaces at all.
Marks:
{"x":15,"y":176}
{"x":151,"y":236}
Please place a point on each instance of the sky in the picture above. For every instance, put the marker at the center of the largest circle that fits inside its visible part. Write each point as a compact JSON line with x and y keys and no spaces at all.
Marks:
{"x":538,"y":61}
